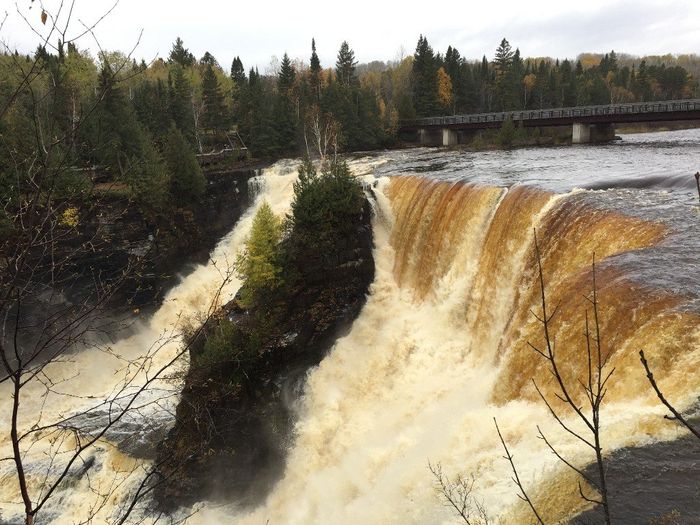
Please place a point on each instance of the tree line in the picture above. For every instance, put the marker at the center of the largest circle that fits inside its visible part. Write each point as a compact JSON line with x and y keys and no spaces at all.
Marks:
{"x":143,"y":123}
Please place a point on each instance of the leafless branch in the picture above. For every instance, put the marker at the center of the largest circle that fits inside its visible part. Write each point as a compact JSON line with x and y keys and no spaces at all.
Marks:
{"x":516,"y":478}
{"x":594,"y":387}
{"x":676,"y":414}
{"x":458,"y":493}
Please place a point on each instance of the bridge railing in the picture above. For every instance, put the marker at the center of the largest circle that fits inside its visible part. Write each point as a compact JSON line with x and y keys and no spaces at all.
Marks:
{"x":557,"y":113}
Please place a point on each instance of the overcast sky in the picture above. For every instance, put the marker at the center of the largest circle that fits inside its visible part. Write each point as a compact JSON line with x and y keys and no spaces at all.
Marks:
{"x":375,"y":29}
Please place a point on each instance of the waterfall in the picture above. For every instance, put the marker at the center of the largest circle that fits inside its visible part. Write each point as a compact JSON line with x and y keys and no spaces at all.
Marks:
{"x":438,"y":351}
{"x":97,"y":373}
{"x":441,"y":348}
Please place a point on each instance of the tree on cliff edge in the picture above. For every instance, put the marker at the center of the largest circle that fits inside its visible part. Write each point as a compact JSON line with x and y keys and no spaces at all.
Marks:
{"x":258,"y":264}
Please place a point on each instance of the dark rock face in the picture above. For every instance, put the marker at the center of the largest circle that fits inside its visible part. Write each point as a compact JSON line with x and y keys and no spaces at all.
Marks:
{"x":120,"y":235}
{"x":230,"y":436}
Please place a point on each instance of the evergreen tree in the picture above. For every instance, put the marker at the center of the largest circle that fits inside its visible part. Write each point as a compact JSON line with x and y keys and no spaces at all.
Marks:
{"x":315,"y":72}
{"x":504,"y":58}
{"x":285,"y":114}
{"x":117,"y":136}
{"x":148,"y":179}
{"x":187,"y":182}
{"x":425,"y":81}
{"x":209,"y":60}
{"x":314,"y":63}
{"x":505,"y":84}
{"x":151,"y":104}
{"x":345,"y":65}
{"x":214,"y":113}
{"x":285,"y":79}
{"x":454,"y":67}
{"x":180,"y":55}
{"x":180,"y":98}
{"x":568,"y":84}
{"x":237,"y":72}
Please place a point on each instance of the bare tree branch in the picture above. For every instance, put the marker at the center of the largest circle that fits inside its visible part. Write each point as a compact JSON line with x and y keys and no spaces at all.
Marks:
{"x":676,"y":414}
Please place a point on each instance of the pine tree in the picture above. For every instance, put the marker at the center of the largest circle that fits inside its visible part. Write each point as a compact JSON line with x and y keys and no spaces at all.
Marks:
{"x":148,"y":178}
{"x":425,"y":82}
{"x":345,"y":65}
{"x":258,"y":265}
{"x":180,"y":97}
{"x":314,"y":63}
{"x":505,"y":83}
{"x":209,"y":60}
{"x":504,"y":57}
{"x":151,"y":105}
{"x":568,"y":84}
{"x":187,"y":182}
{"x":117,"y":138}
{"x":237,"y":72}
{"x":284,"y":114}
{"x":315,"y":72}
{"x":214,"y":113}
{"x":285,"y":79}
{"x":180,"y":55}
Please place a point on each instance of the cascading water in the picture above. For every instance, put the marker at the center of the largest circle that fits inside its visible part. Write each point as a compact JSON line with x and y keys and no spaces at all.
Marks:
{"x":98,"y":373}
{"x":440,"y":348}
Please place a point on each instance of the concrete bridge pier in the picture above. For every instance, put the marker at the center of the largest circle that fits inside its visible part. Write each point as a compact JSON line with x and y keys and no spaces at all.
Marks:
{"x":429,"y":137}
{"x":449,"y":137}
{"x":586,"y":133}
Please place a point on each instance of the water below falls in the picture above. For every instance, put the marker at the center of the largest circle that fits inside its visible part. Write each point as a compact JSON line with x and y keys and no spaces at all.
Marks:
{"x":441,"y":347}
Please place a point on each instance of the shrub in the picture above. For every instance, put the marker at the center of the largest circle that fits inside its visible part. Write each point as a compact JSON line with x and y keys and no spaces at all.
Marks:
{"x":227,"y":344}
{"x":506,"y":134}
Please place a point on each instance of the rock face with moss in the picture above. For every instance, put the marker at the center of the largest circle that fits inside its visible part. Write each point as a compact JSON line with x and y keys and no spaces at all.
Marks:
{"x":234,"y":419}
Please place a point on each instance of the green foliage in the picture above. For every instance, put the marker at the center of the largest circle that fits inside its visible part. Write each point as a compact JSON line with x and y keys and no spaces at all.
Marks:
{"x":115,"y":135}
{"x":258,"y":265}
{"x":425,"y":82}
{"x":238,"y":72}
{"x":187,"y":183}
{"x":180,"y":55}
{"x":345,"y":65}
{"x":70,"y":184}
{"x":148,"y":179}
{"x":152,"y":107}
{"x":214,"y":115}
{"x":325,"y":207}
{"x":506,"y":135}
{"x":314,"y":62}
{"x":285,"y":79}
{"x":180,"y":97}
{"x":227,"y":344}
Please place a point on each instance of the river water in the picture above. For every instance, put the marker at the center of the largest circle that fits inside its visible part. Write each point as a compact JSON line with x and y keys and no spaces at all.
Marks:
{"x":441,"y":348}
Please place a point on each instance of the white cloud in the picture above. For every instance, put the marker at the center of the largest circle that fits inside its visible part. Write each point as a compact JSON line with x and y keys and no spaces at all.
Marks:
{"x":376,"y":30}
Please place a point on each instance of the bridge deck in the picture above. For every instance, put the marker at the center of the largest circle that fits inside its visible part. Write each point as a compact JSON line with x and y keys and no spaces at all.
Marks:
{"x":605,"y":114}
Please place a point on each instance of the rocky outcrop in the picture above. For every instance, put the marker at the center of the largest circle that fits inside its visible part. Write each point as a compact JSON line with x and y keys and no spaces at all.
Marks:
{"x":235,"y":417}
{"x":118,"y":236}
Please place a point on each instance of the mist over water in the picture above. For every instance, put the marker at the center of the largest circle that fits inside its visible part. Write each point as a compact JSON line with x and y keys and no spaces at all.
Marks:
{"x":440,"y":348}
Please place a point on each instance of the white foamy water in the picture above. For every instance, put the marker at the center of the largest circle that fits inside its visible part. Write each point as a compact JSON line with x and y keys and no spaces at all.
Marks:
{"x":84,"y":378}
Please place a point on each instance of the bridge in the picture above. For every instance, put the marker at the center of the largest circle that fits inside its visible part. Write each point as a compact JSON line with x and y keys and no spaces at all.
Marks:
{"x":588,"y":123}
